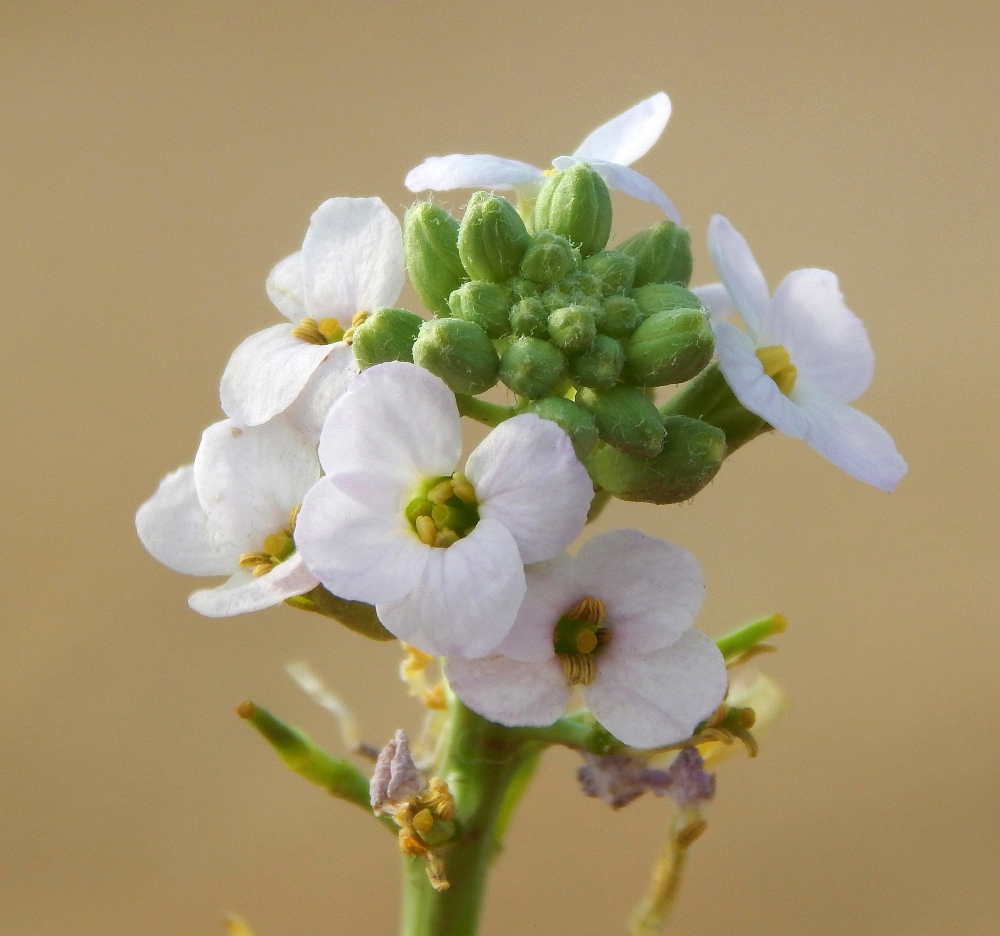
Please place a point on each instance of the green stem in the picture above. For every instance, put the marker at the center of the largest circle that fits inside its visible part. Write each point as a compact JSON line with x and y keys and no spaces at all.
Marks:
{"x":486,"y":767}
{"x":492,"y":414}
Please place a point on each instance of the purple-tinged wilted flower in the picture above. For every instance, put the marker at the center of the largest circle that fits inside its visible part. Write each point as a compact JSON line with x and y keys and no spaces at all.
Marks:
{"x":687,"y":781}
{"x":396,"y":777}
{"x":620,"y":778}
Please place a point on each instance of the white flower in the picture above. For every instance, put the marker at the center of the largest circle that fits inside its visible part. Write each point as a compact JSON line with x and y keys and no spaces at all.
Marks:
{"x":803,"y":358}
{"x":616,"y":620}
{"x":231,"y":513}
{"x":351,"y":261}
{"x":450,"y":582}
{"x":610,"y":149}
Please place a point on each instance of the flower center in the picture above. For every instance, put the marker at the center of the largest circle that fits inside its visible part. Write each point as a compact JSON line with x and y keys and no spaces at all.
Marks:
{"x":778,"y":366}
{"x":443,"y":510}
{"x":277,"y":547}
{"x":325,"y":331}
{"x":578,"y":637}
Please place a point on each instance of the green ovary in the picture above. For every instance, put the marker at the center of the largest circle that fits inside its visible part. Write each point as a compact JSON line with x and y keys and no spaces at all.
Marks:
{"x":443,"y":510}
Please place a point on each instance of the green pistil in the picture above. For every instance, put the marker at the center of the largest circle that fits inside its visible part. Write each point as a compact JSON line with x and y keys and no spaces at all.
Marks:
{"x":443,"y":510}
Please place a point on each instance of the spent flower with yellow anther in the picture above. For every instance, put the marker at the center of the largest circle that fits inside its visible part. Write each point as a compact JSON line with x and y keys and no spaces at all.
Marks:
{"x":351,"y":262}
{"x":616,"y":620}
{"x":233,"y":513}
{"x":440,"y":553}
{"x":803,"y":358}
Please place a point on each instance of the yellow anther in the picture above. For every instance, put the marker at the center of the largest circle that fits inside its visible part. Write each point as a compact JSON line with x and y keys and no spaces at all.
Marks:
{"x":588,"y":611}
{"x":440,"y":514}
{"x":603,"y":635}
{"x":276,"y":543}
{"x":426,"y":530}
{"x":423,"y":821}
{"x":548,"y":172}
{"x":464,"y":491}
{"x":308,"y":331}
{"x":254,"y":560}
{"x":446,"y":538}
{"x":435,"y":699}
{"x":358,"y":318}
{"x":435,"y":873}
{"x":261,"y":570}
{"x":586,"y":641}
{"x":778,"y":366}
{"x":579,"y":669}
{"x":292,"y":517}
{"x":330,"y":329}
{"x":441,"y":493}
{"x":410,"y":845}
{"x":438,"y":797}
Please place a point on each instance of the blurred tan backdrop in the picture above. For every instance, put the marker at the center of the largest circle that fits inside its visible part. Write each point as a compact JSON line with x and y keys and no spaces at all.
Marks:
{"x":156,"y":158}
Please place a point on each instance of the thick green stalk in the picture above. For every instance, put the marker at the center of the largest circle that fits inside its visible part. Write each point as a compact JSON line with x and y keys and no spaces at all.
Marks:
{"x":485,"y":767}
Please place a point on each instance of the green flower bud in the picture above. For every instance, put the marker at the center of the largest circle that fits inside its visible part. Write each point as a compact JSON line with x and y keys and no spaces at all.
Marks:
{"x":486,"y":304}
{"x":386,"y":335}
{"x":599,"y":365}
{"x":521,"y":288}
{"x":668,"y":348}
{"x":626,"y":418}
{"x":662,"y":254}
{"x":659,"y":297}
{"x":492,"y":238}
{"x":548,"y":259}
{"x":458,"y":352}
{"x":573,"y":419}
{"x":430,"y":244}
{"x":692,"y":454}
{"x":587,"y":284}
{"x":573,"y":328}
{"x":621,"y":317}
{"x":530,"y":317}
{"x":532,"y":367}
{"x":616,"y":270}
{"x":576,"y":204}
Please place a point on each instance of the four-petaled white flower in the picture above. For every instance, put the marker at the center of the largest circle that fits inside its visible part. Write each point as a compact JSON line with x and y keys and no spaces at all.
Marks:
{"x":615,"y":620}
{"x":440,"y":554}
{"x":609,"y":150}
{"x":232,"y":513}
{"x":351,"y":261}
{"x":803,"y":358}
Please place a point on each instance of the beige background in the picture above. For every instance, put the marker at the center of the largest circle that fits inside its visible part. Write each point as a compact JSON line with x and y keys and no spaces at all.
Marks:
{"x":157,"y":158}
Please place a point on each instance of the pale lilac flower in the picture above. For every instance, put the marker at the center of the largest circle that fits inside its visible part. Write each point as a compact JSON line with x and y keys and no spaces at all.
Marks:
{"x":803,"y":358}
{"x":451,"y":583}
{"x":351,"y":261}
{"x":609,"y":150}
{"x":615,"y":620}
{"x":231,"y":513}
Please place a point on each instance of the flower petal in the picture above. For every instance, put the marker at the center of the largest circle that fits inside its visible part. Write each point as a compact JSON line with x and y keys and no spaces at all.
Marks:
{"x":358,"y":553}
{"x":442,"y":173}
{"x":553,"y":588}
{"x":715,"y":299}
{"x":266,"y":373}
{"x":630,"y":135}
{"x":652,"y":590}
{"x":248,"y":480}
{"x":753,"y":388}
{"x":826,"y":341}
{"x":527,"y":477}
{"x":352,"y":259}
{"x":395,"y":425}
{"x":328,"y":384}
{"x":508,"y":692}
{"x":657,"y":698}
{"x":174,"y":528}
{"x":467,"y":598}
{"x":244,"y":593}
{"x":738,"y":271}
{"x":284,"y":288}
{"x":854,"y":442}
{"x":626,"y":180}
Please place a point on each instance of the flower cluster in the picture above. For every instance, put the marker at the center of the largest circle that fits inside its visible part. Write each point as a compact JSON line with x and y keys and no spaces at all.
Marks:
{"x":337,"y":478}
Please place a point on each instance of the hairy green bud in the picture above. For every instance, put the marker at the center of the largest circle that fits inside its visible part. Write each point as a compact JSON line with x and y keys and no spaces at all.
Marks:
{"x":659,"y":297}
{"x":532,"y":367}
{"x":530,"y":318}
{"x":386,"y":335}
{"x":692,"y":454}
{"x":573,"y":419}
{"x":521,"y":288}
{"x":492,"y":238}
{"x":662,"y":254}
{"x":621,"y":317}
{"x":548,"y":259}
{"x":458,"y":352}
{"x":576,"y":204}
{"x":598,"y":366}
{"x":573,"y":327}
{"x":486,"y":304}
{"x":616,"y":270}
{"x":430,"y":245}
{"x":669,"y":347}
{"x":626,"y":419}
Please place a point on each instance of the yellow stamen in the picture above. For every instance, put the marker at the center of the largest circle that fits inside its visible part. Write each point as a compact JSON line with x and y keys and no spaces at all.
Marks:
{"x":423,"y":821}
{"x":434,"y":698}
{"x":261,"y":570}
{"x":308,"y":331}
{"x":410,"y":845}
{"x":292,"y":517}
{"x":358,"y":318}
{"x":330,"y":329}
{"x":578,"y":668}
{"x":438,"y":797}
{"x":548,"y":172}
{"x":441,"y":493}
{"x":588,"y":611}
{"x":464,"y":491}
{"x":255,"y":559}
{"x":276,"y":543}
{"x":426,"y":530}
{"x":435,"y":873}
{"x":446,"y":538}
{"x":778,"y":366}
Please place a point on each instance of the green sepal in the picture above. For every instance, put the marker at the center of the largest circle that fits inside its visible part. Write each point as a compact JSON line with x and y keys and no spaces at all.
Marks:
{"x":529,"y":318}
{"x":572,"y":418}
{"x":744,"y":638}
{"x":386,"y":335}
{"x":430,"y":246}
{"x":662,"y":254}
{"x":599,"y":365}
{"x":615,"y":268}
{"x":660,"y":297}
{"x":532,"y":368}
{"x":669,"y":347}
{"x":548,"y":259}
{"x":621,"y":317}
{"x":626,"y":419}
{"x":576,"y":204}
{"x":492,"y":238}
{"x":354,"y":615}
{"x":483,"y":303}
{"x":573,"y":327}
{"x":458,"y":352}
